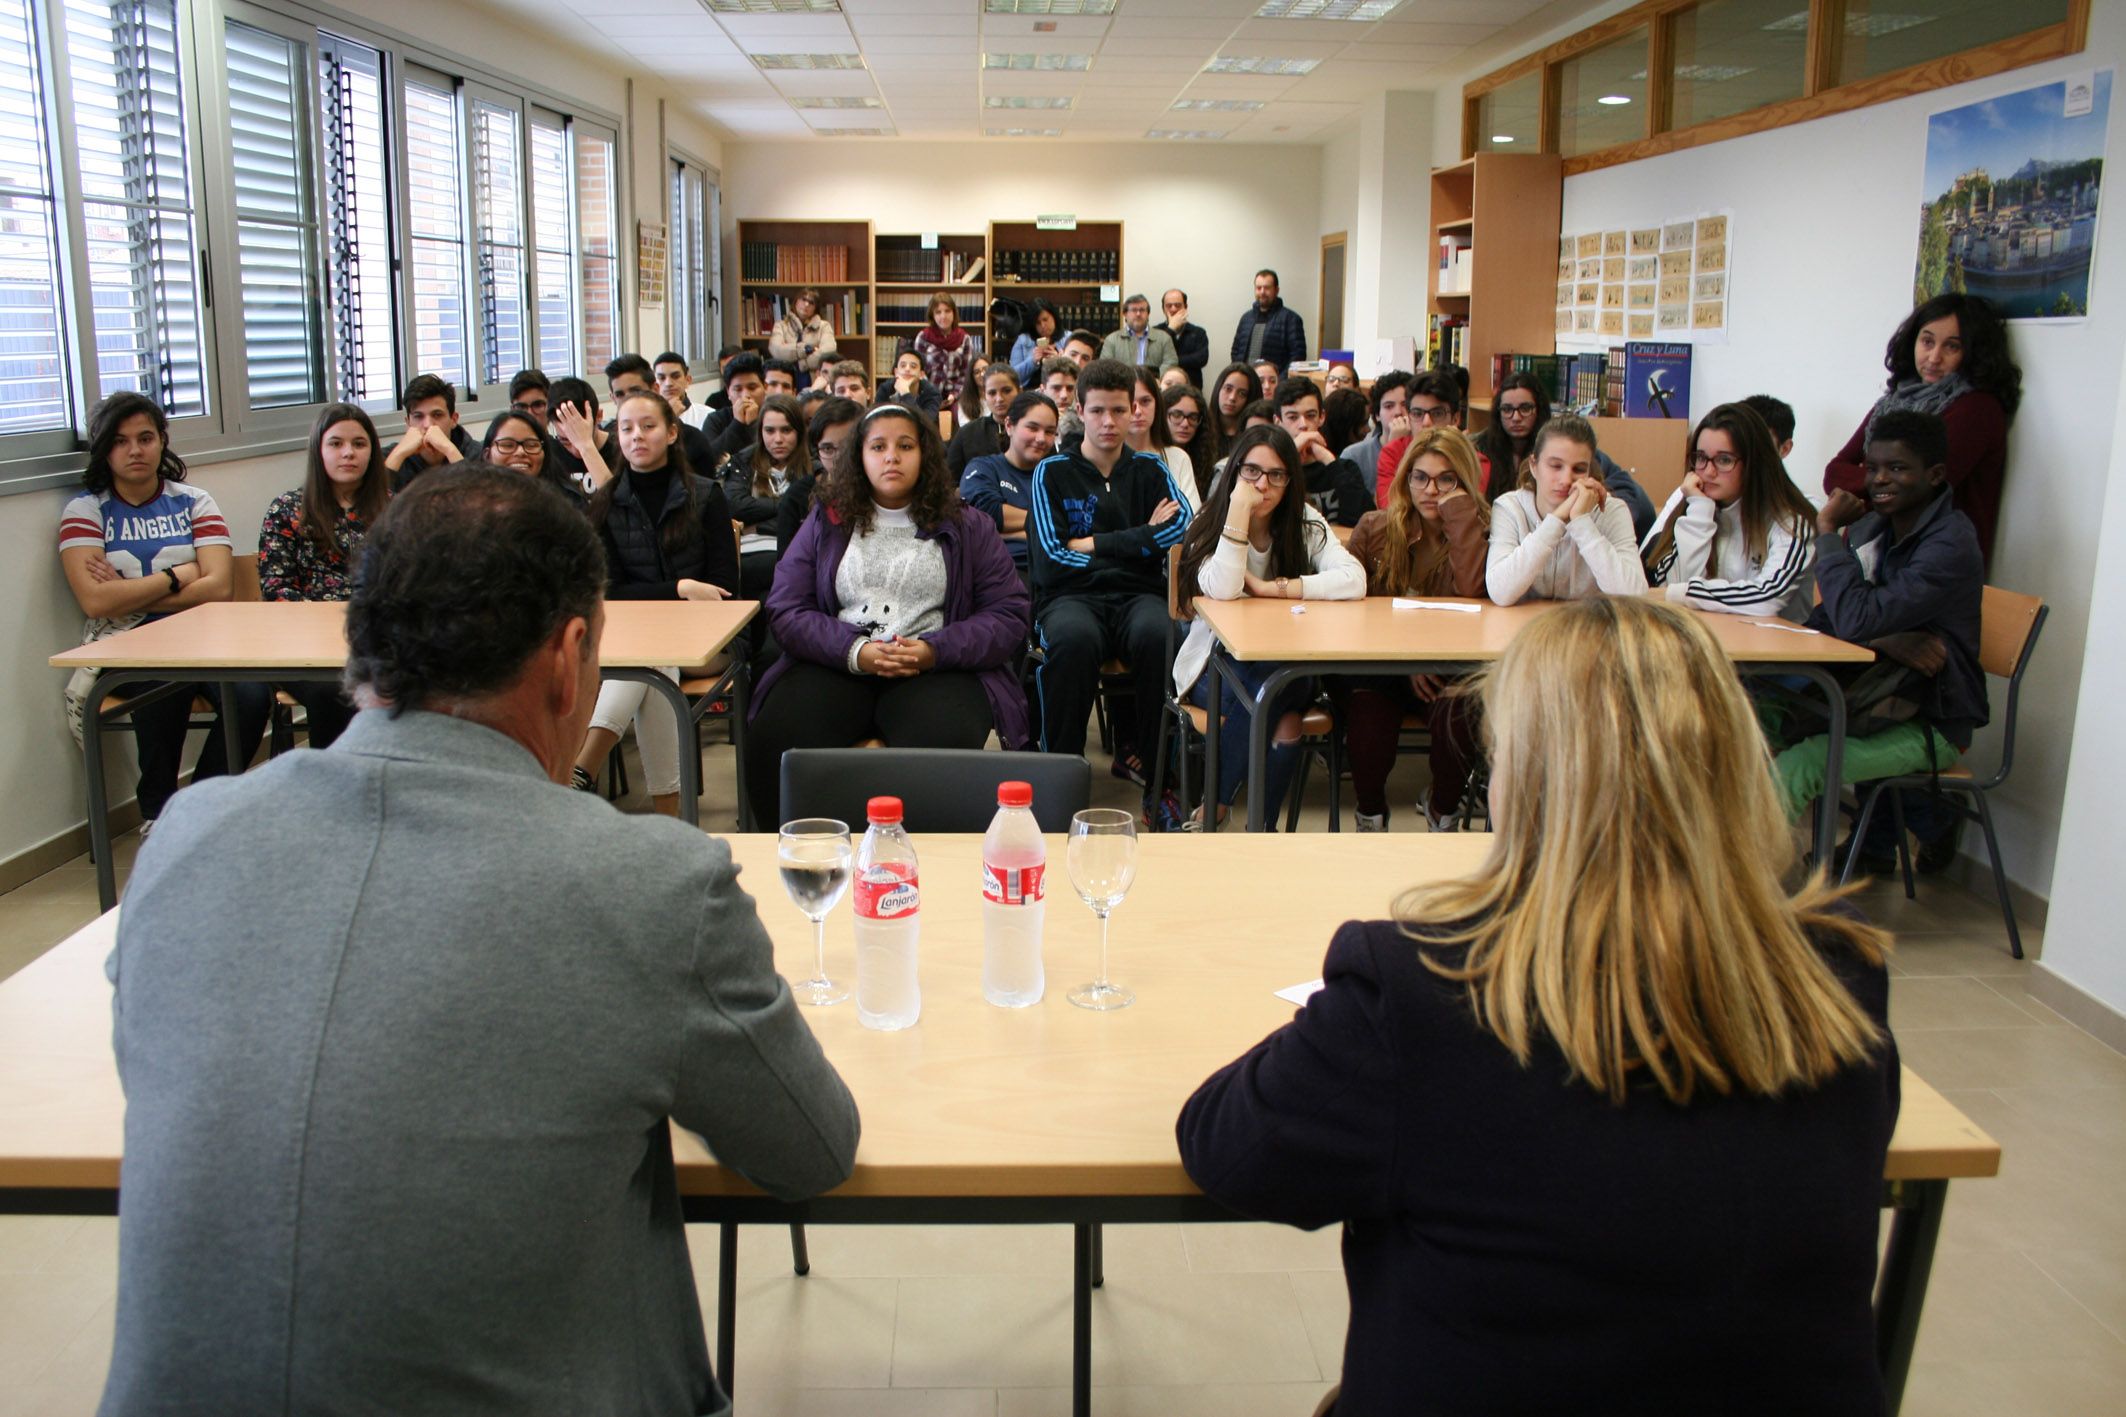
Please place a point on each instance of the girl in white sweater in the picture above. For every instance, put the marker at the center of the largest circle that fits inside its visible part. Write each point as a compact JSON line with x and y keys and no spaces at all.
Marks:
{"x":1257,"y":535}
{"x":1738,"y":535}
{"x":1560,"y":535}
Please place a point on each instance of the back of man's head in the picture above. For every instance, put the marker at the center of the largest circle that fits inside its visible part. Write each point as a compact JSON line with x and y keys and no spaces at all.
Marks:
{"x":471,"y":569}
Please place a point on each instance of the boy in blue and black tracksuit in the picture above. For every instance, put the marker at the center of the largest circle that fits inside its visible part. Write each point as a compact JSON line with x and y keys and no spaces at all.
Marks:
{"x":1101,"y":521}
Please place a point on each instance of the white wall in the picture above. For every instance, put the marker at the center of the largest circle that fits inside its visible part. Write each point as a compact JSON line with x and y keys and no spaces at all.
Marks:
{"x":1341,"y":209}
{"x":1374,"y":186}
{"x":1202,"y":216}
{"x":1825,"y":229}
{"x":38,"y":760}
{"x":2084,"y":942}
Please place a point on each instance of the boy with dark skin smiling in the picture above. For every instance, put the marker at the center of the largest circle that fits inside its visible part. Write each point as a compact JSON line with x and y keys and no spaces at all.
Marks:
{"x":1900,"y":571}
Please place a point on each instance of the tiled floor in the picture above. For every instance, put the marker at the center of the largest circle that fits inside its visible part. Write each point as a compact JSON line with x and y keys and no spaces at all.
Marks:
{"x":2026,"y":1313}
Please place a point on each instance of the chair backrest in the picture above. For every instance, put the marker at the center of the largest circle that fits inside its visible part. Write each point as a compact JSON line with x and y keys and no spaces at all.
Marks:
{"x":2007,"y":628}
{"x":941,"y":789}
{"x":244,"y":579}
{"x":1176,"y":607}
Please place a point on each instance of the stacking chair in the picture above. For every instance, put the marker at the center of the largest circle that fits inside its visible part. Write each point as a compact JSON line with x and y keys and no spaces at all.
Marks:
{"x":2009,"y":625}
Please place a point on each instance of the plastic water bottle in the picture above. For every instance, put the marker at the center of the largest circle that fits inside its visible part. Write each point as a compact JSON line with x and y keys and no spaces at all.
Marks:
{"x":888,"y":898}
{"x":1014,"y":862}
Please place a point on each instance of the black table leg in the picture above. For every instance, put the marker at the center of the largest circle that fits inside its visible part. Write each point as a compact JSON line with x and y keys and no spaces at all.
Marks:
{"x":1099,"y":1256}
{"x":1915,"y":1225}
{"x":1081,"y":1319}
{"x":726,"y":1303}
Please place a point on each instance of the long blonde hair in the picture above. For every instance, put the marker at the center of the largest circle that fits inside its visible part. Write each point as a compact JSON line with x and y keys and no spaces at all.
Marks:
{"x":1409,"y":562}
{"x":1632,"y":908}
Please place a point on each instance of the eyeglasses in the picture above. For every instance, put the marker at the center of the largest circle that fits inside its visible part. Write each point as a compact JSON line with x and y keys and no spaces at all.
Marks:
{"x":1516,"y":410}
{"x":1179,"y":416}
{"x":513,"y":445}
{"x":1726,"y":462}
{"x":1431,"y":413}
{"x":1268,"y":477}
{"x":1444,"y":482}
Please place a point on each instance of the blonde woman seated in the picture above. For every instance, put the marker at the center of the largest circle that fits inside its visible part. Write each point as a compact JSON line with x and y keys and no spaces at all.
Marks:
{"x":1605,"y":1120}
{"x":1560,"y":535}
{"x":1257,"y":535}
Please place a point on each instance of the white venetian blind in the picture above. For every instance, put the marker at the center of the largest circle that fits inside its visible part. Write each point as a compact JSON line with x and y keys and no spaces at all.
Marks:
{"x":553,"y":243}
{"x":276,"y":229}
{"x":596,"y":218}
{"x":33,"y":384}
{"x":499,"y":237}
{"x":685,"y":264}
{"x":137,"y":200}
{"x":435,"y":210}
{"x":358,"y":221}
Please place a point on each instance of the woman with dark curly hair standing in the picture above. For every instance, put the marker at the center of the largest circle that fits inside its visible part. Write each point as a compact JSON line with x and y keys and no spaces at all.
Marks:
{"x":1949,"y":358}
{"x":898,"y":610}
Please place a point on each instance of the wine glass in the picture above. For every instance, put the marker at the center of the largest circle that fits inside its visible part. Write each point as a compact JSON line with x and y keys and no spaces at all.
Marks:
{"x":1103,"y":861}
{"x":813,"y":854}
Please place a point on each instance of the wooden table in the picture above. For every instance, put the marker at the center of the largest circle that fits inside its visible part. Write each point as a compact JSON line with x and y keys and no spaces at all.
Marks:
{"x":1371,"y":636}
{"x":230,"y":642}
{"x":1046,"y":1115}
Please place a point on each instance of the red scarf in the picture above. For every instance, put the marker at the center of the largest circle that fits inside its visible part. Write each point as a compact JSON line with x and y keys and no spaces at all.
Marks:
{"x":947,"y":340}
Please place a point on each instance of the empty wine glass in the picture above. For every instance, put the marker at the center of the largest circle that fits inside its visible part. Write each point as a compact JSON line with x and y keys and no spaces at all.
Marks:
{"x":813,"y":854}
{"x":1103,"y":861}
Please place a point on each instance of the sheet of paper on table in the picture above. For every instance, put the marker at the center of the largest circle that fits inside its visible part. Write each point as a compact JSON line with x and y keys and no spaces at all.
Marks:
{"x":1300,"y":993}
{"x":1402,"y":603}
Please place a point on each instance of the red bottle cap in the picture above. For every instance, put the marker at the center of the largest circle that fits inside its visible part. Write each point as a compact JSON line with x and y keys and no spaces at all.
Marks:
{"x":1014,"y":794}
{"x":883,"y":811}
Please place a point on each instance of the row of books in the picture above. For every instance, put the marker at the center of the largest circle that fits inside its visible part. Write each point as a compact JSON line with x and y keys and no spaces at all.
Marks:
{"x":902,"y":265}
{"x":1457,"y":266}
{"x":770,"y":260}
{"x":1642,"y":379}
{"x":1576,"y":383}
{"x":1446,"y":340}
{"x":912,"y":310}
{"x":1063,"y":267}
{"x":845,"y":316}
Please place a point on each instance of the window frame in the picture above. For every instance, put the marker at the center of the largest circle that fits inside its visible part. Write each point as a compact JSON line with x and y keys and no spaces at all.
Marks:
{"x":1822,"y":95}
{"x":536,"y":116}
{"x":230,"y":428}
{"x":704,"y":307}
{"x":582,"y":130}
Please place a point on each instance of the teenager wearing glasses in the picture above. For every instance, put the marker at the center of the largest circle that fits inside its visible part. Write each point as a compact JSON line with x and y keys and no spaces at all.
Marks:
{"x":1259,"y":536}
{"x":1192,"y":429}
{"x":1429,"y":540}
{"x":1738,"y":535}
{"x":1518,"y":408}
{"x":1432,"y":400}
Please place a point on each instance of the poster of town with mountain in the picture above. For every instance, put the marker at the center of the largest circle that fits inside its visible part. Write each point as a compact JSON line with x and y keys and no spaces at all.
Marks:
{"x":2013,"y":184}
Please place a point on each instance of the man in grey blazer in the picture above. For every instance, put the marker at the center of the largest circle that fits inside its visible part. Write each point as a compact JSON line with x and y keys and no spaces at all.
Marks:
{"x":403,"y":1027}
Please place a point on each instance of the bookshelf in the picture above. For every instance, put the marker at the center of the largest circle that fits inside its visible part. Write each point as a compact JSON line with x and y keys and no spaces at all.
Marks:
{"x":1504,"y":208}
{"x":906,"y":273}
{"x":1073,"y":270}
{"x":777,"y":259}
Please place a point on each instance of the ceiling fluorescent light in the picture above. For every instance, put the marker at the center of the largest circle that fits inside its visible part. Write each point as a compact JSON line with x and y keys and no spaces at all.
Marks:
{"x":1259,"y":64}
{"x":1073,"y":63}
{"x":1364,"y":10}
{"x":997,"y":100}
{"x":1613,"y":100}
{"x":772,"y":7}
{"x":816,"y":101}
{"x":809,"y":61}
{"x":1024,"y":132}
{"x":1502,"y":137}
{"x":1185,"y":135}
{"x":854,"y":132}
{"x":1216,"y":105}
{"x":1050,"y":7}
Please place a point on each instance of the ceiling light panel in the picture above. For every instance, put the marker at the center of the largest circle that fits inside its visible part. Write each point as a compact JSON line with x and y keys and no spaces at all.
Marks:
{"x":1217,"y":105}
{"x":1049,"y":7}
{"x":809,"y":61}
{"x":1024,"y":132}
{"x":1020,"y":100}
{"x":1184,"y":135}
{"x":1259,"y":64}
{"x":854,"y":132}
{"x":772,"y":7}
{"x":835,"y":101}
{"x":1361,"y":10}
{"x":1067,"y":62}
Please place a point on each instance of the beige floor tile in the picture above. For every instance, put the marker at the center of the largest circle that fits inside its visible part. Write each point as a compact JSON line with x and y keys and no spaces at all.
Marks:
{"x":2015,"y":988}
{"x":815,"y":1332}
{"x":2094,"y":1273}
{"x":39,"y":1315}
{"x":2082,"y":1387}
{"x":912,"y":1251}
{"x":2009,"y":1057}
{"x":1264,"y":1400}
{"x":868,"y":1402}
{"x":1973,"y":953}
{"x":1148,"y":1330}
{"x":1957,"y":1001}
{"x":28,"y":1243}
{"x":1325,"y":1303}
{"x":1216,"y":1249}
{"x":2001,"y":1308}
{"x":71,"y":1385}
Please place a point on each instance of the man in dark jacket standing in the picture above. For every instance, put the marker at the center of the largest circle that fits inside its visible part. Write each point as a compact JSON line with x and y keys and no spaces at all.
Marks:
{"x":400,"y":1140}
{"x":1269,"y":329}
{"x":1192,"y":343}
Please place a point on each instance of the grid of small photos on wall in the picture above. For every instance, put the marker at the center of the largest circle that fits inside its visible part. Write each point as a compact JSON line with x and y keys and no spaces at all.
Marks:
{"x":1665,"y":282}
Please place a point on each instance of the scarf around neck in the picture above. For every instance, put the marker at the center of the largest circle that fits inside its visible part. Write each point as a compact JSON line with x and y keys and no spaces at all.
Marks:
{"x":1921,"y":397}
{"x":947,"y":340}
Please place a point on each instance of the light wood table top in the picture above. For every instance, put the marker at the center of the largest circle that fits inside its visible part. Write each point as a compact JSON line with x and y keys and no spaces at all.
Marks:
{"x":974,"y":1100}
{"x":639,"y":634}
{"x":1329,"y":631}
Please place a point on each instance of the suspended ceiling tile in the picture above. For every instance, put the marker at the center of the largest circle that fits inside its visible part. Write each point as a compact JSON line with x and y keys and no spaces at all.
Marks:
{"x":789,"y":34}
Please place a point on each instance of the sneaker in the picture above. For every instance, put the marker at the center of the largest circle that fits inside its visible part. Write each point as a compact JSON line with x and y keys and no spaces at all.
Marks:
{"x":1936,"y":856}
{"x":147,"y":824}
{"x":582,"y":781}
{"x":1372,"y":824}
{"x":1441,"y":821}
{"x":1163,"y":814}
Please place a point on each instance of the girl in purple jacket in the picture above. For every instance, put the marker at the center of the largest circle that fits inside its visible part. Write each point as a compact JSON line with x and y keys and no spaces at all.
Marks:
{"x":898,"y":611}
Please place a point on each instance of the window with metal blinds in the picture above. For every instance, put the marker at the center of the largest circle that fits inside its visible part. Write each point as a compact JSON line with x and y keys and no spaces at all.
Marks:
{"x":33,"y":380}
{"x":687,"y":296}
{"x":553,"y":243}
{"x":137,"y":200}
{"x":276,"y":228}
{"x":599,"y":243}
{"x":357,"y":221}
{"x":435,"y":212}
{"x":499,"y":239}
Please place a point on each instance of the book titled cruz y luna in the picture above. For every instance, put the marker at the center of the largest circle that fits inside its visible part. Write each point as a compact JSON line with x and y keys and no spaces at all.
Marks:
{"x":1656,"y":380}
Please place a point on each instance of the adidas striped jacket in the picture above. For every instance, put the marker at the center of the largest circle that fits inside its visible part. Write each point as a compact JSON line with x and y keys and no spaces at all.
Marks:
{"x":1709,"y":565}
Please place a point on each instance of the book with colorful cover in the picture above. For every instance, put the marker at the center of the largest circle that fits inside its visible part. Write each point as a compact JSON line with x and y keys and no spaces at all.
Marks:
{"x":1656,"y":380}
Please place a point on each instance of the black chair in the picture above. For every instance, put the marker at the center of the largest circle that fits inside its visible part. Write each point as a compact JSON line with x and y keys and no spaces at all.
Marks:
{"x":941,"y":789}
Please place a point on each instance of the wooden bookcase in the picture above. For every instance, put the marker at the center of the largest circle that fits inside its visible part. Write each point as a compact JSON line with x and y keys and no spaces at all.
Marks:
{"x":1067,"y":268}
{"x":806,"y":250}
{"x":906,"y":274}
{"x":1506,"y":208}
